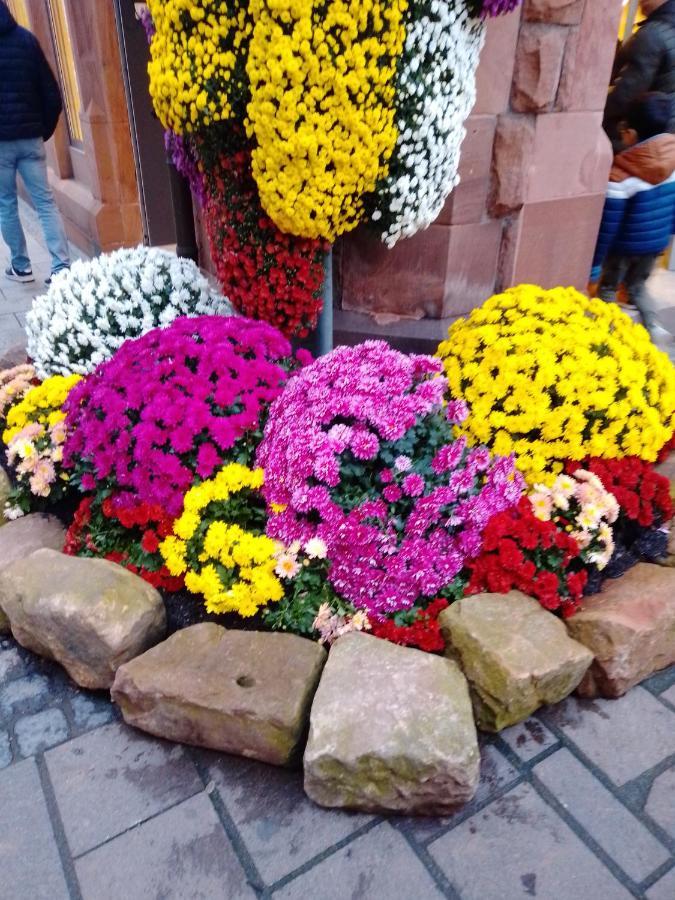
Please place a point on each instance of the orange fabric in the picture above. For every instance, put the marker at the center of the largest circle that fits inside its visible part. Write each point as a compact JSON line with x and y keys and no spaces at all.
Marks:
{"x":653,"y":161}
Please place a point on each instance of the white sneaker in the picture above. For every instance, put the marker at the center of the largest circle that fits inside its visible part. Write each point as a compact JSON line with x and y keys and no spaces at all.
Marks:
{"x":660,"y":336}
{"x":13,"y":274}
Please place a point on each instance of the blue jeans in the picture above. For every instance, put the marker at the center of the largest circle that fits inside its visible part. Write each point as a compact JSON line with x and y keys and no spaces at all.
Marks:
{"x":27,"y":157}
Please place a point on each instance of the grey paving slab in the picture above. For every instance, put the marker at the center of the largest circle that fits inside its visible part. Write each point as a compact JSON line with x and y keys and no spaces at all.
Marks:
{"x":661,"y":681}
{"x":669,"y":695}
{"x":5,"y":749}
{"x":603,"y":816}
{"x":539,"y":856}
{"x":660,"y":804}
{"x":181,"y":853}
{"x":280,"y":826}
{"x":639,"y":724}
{"x":380,"y":864}
{"x":11,"y":663}
{"x":91,"y":711}
{"x":113,"y":778}
{"x":23,"y":695}
{"x":40,"y":731}
{"x":664,"y":888}
{"x":529,"y":739}
{"x":30,"y":866}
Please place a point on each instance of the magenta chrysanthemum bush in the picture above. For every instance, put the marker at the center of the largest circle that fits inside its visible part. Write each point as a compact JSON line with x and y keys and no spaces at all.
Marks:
{"x":359,"y":452}
{"x":172,"y":406}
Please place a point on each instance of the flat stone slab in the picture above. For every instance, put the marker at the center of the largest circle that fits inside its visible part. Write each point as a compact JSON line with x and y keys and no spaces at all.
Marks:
{"x":516,"y":655}
{"x":89,"y":615}
{"x":391,"y":730}
{"x":20,"y":538}
{"x":630,"y":629}
{"x":244,"y":692}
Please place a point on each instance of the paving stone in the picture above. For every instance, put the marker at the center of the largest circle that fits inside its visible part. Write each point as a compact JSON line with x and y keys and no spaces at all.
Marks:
{"x":29,"y":861}
{"x":664,"y":888}
{"x":181,"y":853}
{"x":40,"y":731}
{"x":113,"y":778}
{"x":91,"y":711}
{"x":518,"y":847}
{"x":661,"y":681}
{"x":281,"y":827}
{"x":604,"y":817}
{"x":669,"y":695}
{"x":623,"y":737}
{"x":529,"y":739}
{"x":5,"y":750}
{"x":23,"y":695}
{"x":660,"y":804}
{"x":11,"y":663}
{"x":376,"y":865}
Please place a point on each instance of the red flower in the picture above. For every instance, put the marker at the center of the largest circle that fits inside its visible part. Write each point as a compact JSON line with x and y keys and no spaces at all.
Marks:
{"x":150,"y":542}
{"x":424,"y":633}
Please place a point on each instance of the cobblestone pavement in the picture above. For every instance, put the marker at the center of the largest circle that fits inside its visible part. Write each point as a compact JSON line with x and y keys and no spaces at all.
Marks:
{"x":578,"y":803}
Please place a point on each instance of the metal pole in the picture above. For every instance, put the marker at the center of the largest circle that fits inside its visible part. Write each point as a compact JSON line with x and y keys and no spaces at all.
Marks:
{"x":320,"y":341}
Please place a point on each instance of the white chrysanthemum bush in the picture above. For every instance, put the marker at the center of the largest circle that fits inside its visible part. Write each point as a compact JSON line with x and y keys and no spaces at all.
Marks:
{"x":90,"y":310}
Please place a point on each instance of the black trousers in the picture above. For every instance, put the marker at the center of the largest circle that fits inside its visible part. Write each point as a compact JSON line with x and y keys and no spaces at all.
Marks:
{"x":632,"y":272}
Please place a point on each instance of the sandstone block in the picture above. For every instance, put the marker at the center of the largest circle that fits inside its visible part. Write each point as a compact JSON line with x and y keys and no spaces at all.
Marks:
{"x":630,"y":629}
{"x":5,"y":488}
{"x":391,"y":730}
{"x":669,"y":558}
{"x":562,"y":12}
{"x":89,"y":615}
{"x":18,"y":539}
{"x":244,"y":692}
{"x":539,"y":58}
{"x":667,"y":469}
{"x":514,"y":141}
{"x":516,"y":655}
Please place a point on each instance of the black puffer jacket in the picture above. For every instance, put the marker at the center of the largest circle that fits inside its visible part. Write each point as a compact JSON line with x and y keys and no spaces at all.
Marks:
{"x":30,"y":101}
{"x":646,"y":62}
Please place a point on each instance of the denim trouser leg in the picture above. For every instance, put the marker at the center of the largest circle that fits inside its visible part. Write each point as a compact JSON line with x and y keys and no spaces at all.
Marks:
{"x":10,"y":224}
{"x":32,"y":166}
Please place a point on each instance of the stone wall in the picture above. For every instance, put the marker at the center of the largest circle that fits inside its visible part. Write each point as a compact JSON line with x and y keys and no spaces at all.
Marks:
{"x":533,"y":170}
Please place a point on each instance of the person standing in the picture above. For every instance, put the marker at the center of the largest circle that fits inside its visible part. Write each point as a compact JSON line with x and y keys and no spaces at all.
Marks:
{"x":645,"y":63}
{"x":30,"y":106}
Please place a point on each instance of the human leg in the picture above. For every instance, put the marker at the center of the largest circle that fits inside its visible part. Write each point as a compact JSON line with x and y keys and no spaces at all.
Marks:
{"x":638,"y":271}
{"x":613,"y":272}
{"x":10,"y":224}
{"x":32,"y":167}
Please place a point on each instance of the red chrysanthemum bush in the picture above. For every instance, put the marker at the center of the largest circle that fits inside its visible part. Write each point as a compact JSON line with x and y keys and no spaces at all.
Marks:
{"x":265,"y":273}
{"x":523,"y":553}
{"x":423,"y":631}
{"x":127,"y":536}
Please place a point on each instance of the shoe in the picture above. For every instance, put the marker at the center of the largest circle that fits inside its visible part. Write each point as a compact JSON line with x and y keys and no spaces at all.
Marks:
{"x":23,"y":277}
{"x":48,"y":281}
{"x":660,"y":336}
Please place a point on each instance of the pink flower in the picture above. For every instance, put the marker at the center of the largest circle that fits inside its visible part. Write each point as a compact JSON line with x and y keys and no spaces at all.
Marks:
{"x":364,"y":444}
{"x":402,"y":463}
{"x":392,"y":493}
{"x":413,"y":485}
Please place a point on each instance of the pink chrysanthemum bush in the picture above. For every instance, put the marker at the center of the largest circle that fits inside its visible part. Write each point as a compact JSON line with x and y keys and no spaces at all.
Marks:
{"x":172,"y":406}
{"x":359,"y":453}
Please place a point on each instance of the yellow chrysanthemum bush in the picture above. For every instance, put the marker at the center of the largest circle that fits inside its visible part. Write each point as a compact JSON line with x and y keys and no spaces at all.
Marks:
{"x":198,"y":56}
{"x":34,"y":437}
{"x":219,"y":543}
{"x":551,"y":376}
{"x":322,"y":110}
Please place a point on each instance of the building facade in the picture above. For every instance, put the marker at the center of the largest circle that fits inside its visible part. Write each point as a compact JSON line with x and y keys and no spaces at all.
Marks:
{"x":534,"y":162}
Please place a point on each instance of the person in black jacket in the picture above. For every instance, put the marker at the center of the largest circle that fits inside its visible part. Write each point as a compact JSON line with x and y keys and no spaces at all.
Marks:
{"x":30,"y":106}
{"x":645,"y":63}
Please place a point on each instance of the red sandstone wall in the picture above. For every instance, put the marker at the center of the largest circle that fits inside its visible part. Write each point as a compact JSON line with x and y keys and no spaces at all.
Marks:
{"x":534,"y":169}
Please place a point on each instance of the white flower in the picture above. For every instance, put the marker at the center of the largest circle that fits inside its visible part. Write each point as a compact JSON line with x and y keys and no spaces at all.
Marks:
{"x":315,"y":548}
{"x":287,"y":566}
{"x":90,"y":310}
{"x":12,"y":512}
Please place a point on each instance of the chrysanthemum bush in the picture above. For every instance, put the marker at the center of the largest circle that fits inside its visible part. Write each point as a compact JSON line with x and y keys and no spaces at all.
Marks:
{"x":91,"y":309}
{"x":435,"y":91}
{"x":34,"y":438}
{"x":553,"y":376}
{"x":173,"y":406}
{"x":14,"y":385}
{"x":358,"y":451}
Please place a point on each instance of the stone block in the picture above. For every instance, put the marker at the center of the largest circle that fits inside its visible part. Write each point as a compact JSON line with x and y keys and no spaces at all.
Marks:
{"x":623,"y":837}
{"x":112,"y":779}
{"x":539,"y":58}
{"x":540,"y":232}
{"x":667,"y":469}
{"x":588,"y":58}
{"x":5,"y":488}
{"x":20,"y":538}
{"x":516,"y":655}
{"x":90,"y":615}
{"x":495,"y":70}
{"x":438,"y":272}
{"x":467,"y":202}
{"x":391,"y":730}
{"x":513,"y":147}
{"x":630,"y":629}
{"x":571,"y":157}
{"x":244,"y":692}
{"x":562,"y":12}
{"x":183,"y":852}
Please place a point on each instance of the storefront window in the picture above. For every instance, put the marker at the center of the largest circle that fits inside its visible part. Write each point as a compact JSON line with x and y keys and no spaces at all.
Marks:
{"x":68,"y":76}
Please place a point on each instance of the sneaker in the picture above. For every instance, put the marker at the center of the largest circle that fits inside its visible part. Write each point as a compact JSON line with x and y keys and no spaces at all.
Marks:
{"x":48,"y":281}
{"x":23,"y":277}
{"x":660,"y":336}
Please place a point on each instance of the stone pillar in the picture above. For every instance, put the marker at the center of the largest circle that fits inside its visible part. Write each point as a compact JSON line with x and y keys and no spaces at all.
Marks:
{"x":533,"y":169}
